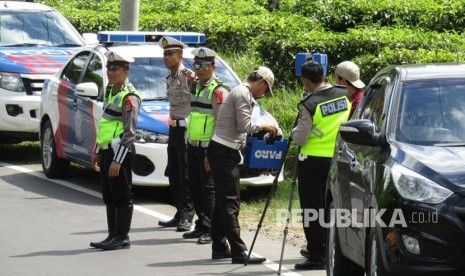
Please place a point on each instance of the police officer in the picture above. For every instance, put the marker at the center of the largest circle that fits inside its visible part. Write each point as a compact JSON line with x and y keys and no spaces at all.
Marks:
{"x":321,"y":113}
{"x":348,"y":75}
{"x":179,"y":83}
{"x":114,"y":150}
{"x":234,"y":120}
{"x":208,"y":94}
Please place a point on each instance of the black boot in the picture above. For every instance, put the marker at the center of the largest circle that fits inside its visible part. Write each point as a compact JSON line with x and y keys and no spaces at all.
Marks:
{"x":111,"y":222}
{"x":121,"y":239}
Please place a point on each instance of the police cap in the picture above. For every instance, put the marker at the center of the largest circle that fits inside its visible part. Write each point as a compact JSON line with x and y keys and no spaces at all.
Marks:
{"x":118,"y":58}
{"x":203,"y":53}
{"x":168,"y":43}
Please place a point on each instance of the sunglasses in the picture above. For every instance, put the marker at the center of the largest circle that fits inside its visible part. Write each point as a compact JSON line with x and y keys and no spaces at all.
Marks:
{"x":114,"y":67}
{"x":202,"y":65}
{"x":168,"y":53}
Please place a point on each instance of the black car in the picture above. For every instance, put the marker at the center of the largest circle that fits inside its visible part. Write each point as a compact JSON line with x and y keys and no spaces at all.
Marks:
{"x":398,"y":177}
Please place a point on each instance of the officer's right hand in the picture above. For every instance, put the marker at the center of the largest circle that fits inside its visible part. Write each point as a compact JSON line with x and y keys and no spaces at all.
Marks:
{"x":96,"y":162}
{"x":270,"y":129}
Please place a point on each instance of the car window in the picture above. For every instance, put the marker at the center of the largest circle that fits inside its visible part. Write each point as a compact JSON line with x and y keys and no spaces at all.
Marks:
{"x":432,"y":112}
{"x":373,"y":104}
{"x":148,"y":75}
{"x":94,"y":73}
{"x":44,"y":28}
{"x":73,"y":70}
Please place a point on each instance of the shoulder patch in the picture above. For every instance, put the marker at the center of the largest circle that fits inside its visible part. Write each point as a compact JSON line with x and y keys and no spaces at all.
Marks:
{"x":218,"y":95}
{"x":333,"y":107}
{"x":128,"y":103}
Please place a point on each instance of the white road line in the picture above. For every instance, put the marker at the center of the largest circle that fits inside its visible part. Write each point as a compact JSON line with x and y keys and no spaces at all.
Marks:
{"x":270,"y":264}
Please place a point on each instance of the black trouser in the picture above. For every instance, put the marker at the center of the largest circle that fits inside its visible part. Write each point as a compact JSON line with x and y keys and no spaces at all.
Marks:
{"x":312,"y":175}
{"x":117,"y":193}
{"x":201,"y":185}
{"x":224,"y":165}
{"x":177,"y":174}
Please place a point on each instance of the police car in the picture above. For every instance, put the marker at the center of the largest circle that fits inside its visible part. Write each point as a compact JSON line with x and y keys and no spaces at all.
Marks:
{"x":72,"y":105}
{"x":35,"y":41}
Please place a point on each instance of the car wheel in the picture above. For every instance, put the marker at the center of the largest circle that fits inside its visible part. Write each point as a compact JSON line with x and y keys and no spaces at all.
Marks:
{"x":374,"y":261}
{"x":52,"y":166}
{"x":336,"y":263}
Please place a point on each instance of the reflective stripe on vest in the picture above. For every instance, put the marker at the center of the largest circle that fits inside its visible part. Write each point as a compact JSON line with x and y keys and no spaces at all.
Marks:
{"x":111,"y":123}
{"x":329,"y":115}
{"x":202,"y":120}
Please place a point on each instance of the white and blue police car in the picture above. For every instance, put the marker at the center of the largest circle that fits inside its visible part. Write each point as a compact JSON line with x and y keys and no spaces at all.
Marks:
{"x":71,"y":105}
{"x":35,"y":41}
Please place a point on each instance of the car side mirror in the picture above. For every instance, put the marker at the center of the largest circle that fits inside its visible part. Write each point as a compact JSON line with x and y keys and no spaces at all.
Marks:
{"x":87,"y":89}
{"x":360,"y":132}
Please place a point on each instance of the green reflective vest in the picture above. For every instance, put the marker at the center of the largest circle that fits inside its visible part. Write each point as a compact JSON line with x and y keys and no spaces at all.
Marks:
{"x":111,"y":124}
{"x":202,"y":120}
{"x":329,"y":109}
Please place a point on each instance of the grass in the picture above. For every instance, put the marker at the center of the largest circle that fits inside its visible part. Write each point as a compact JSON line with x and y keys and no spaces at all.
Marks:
{"x":252,"y":208}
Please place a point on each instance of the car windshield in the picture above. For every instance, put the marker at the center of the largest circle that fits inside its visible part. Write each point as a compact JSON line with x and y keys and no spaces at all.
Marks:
{"x":148,"y":75}
{"x":44,"y":28}
{"x":432,"y":113}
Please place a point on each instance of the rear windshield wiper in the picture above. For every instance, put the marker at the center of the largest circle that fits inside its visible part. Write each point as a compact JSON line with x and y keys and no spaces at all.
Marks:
{"x":450,"y":145}
{"x":67,"y":45}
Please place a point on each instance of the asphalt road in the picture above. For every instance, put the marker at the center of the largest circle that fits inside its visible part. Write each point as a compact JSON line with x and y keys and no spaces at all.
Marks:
{"x":46,"y":226}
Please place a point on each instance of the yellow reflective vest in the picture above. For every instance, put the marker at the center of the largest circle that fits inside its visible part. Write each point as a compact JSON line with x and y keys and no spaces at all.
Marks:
{"x":202,"y":120}
{"x":111,"y":123}
{"x":329,"y":109}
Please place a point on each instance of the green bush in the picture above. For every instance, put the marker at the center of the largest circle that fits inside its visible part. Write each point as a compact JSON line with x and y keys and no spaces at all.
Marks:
{"x":341,"y":15}
{"x":281,"y":49}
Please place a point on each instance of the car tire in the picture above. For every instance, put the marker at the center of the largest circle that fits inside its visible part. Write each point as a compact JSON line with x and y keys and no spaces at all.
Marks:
{"x":52,"y":165}
{"x":374,"y":261}
{"x":336,"y":263}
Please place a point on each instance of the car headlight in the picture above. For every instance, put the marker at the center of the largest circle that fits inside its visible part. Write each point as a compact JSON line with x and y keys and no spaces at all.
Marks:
{"x":12,"y":82}
{"x":146,"y":136}
{"x":414,"y":186}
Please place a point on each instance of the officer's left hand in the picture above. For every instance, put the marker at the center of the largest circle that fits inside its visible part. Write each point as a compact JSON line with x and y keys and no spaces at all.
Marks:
{"x":206,"y":164}
{"x":114,"y":169}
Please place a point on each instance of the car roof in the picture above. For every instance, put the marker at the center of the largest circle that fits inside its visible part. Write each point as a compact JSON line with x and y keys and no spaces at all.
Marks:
{"x":23,"y":6}
{"x":427,"y":71}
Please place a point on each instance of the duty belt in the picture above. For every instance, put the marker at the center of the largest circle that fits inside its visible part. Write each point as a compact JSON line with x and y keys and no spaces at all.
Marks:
{"x":229,"y":144}
{"x":199,"y":144}
{"x":104,"y":146}
{"x":178,"y":123}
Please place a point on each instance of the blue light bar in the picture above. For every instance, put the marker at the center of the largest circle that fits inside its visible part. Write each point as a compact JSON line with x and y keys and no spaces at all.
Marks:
{"x":149,"y":37}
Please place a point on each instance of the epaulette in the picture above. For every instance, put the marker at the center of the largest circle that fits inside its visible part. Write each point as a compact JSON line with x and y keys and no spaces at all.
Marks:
{"x":187,"y":72}
{"x":190,"y":74}
{"x":222,"y":84}
{"x":131,"y":87}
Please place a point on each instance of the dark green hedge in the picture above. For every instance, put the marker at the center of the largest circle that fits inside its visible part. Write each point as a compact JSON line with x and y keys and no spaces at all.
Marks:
{"x":341,"y":15}
{"x":359,"y":44}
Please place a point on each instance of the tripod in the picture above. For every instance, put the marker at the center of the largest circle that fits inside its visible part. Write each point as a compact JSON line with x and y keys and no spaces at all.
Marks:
{"x":268,"y":200}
